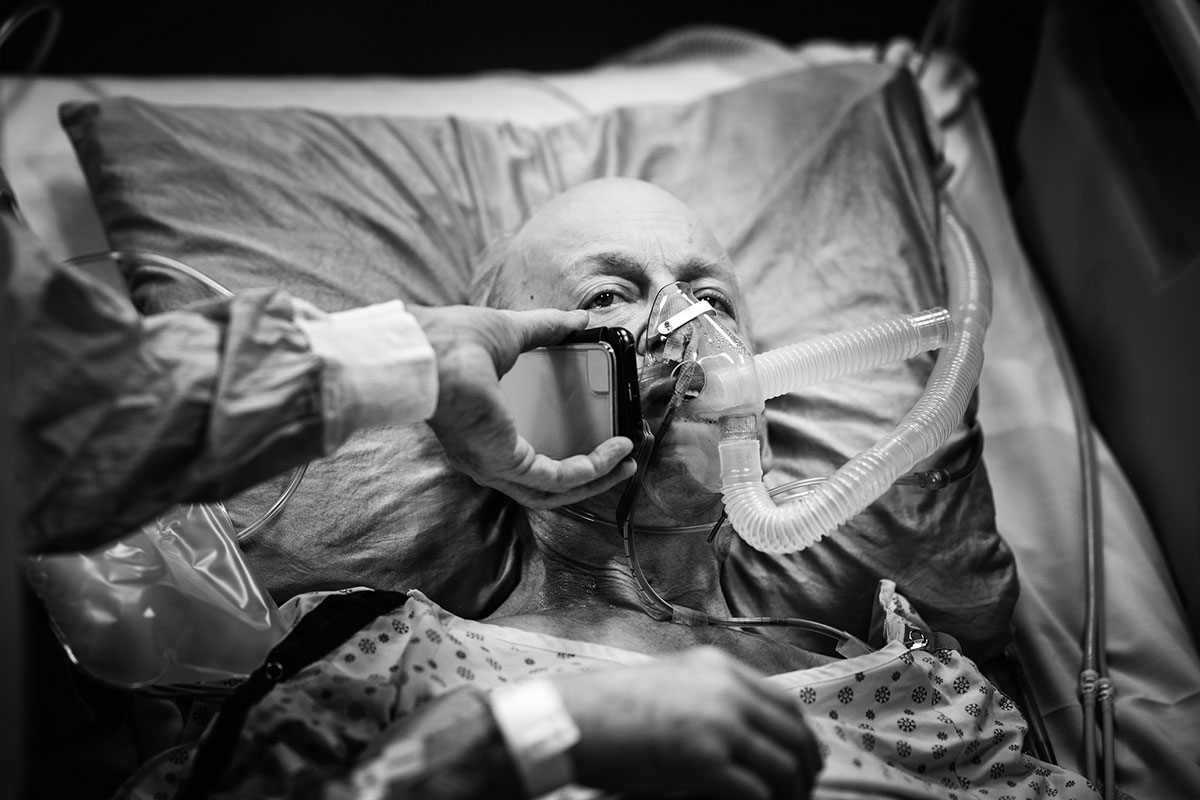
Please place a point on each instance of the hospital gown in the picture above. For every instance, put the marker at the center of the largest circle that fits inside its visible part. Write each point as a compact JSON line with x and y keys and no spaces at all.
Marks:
{"x":897,"y":722}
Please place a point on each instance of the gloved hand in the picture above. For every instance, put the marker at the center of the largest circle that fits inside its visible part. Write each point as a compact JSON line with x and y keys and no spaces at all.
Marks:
{"x":474,"y":347}
{"x":700,"y":723}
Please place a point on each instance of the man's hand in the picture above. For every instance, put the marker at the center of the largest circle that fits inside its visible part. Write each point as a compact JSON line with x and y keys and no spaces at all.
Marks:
{"x":474,"y":347}
{"x":700,"y":723}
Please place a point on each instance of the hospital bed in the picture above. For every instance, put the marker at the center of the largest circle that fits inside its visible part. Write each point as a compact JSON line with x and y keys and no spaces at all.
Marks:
{"x":519,"y":133}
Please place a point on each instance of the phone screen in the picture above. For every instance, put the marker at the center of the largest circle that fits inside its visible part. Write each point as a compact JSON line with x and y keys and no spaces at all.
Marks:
{"x":568,"y":398}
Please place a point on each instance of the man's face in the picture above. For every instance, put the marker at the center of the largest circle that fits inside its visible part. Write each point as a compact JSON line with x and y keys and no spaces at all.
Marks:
{"x":610,"y":246}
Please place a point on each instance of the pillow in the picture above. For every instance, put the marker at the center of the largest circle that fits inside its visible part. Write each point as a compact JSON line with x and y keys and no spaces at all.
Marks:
{"x":820,"y":184}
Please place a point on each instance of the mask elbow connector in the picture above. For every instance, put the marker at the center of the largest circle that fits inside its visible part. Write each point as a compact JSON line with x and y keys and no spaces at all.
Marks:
{"x":730,"y":386}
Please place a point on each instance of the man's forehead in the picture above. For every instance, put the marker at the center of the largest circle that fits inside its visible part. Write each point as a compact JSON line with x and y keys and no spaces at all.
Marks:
{"x":634,"y":265}
{"x":619,"y":228}
{"x":617,"y":210}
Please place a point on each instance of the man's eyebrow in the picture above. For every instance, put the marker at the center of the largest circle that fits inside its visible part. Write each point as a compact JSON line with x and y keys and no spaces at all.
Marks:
{"x":695,"y":268}
{"x":619,"y":264}
{"x":624,"y":265}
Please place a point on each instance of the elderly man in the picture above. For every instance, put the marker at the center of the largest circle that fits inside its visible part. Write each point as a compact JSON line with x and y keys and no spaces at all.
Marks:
{"x":570,"y":680}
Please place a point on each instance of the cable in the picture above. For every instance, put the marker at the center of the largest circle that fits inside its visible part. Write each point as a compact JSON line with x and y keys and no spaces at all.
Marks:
{"x":655,"y":605}
{"x":938,"y":20}
{"x":271,"y":513}
{"x":652,"y":602}
{"x":10,"y":25}
{"x":1093,"y":667}
{"x":136,"y":257}
{"x":19,"y":17}
{"x":1095,"y":685}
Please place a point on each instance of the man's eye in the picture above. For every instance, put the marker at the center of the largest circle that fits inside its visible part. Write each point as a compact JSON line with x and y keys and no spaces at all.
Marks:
{"x":719,"y":302}
{"x":602,"y":300}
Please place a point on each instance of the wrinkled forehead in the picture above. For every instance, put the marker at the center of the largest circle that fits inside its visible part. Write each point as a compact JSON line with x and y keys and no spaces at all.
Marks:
{"x":627,"y":230}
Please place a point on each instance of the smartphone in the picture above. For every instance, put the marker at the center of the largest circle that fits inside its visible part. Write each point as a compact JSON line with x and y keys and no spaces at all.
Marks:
{"x":570,"y":397}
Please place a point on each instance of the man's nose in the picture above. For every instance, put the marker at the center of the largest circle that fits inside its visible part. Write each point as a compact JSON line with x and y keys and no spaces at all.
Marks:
{"x":639,"y":329}
{"x":641,"y":336}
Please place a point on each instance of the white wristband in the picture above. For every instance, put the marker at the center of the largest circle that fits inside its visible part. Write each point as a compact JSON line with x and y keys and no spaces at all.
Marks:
{"x":539,"y":733}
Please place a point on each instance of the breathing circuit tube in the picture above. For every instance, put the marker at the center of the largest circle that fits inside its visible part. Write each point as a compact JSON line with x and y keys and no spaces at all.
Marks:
{"x":939,"y":411}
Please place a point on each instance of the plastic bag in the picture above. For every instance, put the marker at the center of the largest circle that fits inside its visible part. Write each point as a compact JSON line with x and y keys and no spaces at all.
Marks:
{"x":174,"y":603}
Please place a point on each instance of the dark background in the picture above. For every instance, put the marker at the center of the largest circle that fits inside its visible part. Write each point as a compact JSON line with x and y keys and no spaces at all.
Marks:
{"x":354,"y":37}
{"x":357,"y":36}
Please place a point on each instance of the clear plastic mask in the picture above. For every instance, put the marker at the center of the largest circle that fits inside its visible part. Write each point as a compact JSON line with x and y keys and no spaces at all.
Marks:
{"x":690,"y":351}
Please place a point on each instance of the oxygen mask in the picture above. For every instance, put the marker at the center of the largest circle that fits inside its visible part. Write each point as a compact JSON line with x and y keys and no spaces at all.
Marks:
{"x":693,"y":354}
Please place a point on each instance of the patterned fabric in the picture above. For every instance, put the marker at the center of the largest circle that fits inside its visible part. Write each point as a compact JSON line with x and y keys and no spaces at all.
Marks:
{"x":893,"y":723}
{"x":912,"y":723}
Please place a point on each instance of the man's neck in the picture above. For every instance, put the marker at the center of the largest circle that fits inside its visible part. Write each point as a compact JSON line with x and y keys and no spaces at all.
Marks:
{"x":575,"y":565}
{"x":577,"y":584}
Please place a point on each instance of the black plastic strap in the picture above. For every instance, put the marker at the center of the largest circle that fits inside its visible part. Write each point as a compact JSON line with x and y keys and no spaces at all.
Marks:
{"x":315,"y":636}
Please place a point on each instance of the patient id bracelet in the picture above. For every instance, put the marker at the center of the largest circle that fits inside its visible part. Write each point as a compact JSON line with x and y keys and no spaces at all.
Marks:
{"x":539,"y":733}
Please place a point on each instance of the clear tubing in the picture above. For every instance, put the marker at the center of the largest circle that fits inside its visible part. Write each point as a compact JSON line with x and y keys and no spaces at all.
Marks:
{"x":730,"y":383}
{"x":806,"y":363}
{"x":774,"y":529}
